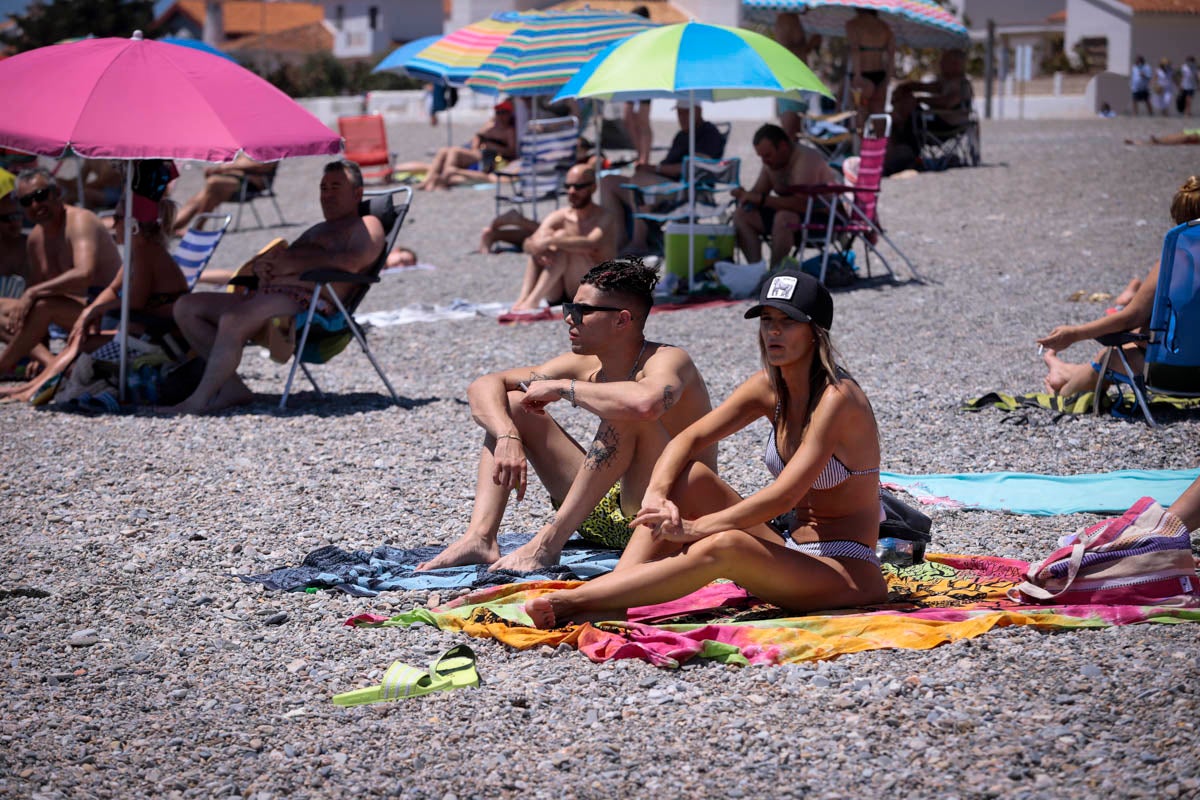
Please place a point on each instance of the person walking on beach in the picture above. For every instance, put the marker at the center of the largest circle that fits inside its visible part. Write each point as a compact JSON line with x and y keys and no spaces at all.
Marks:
{"x":1187,"y":85}
{"x":1139,"y":85}
{"x":643,"y":392}
{"x":1163,"y":87}
{"x":806,"y":541}
{"x":218,"y":325}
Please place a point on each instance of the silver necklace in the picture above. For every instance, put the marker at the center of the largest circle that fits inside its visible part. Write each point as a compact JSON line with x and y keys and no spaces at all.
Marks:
{"x":633,"y":371}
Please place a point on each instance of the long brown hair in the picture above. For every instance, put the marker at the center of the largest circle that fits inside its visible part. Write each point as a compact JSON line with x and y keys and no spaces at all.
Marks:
{"x":823,"y":373}
{"x":1185,"y":206}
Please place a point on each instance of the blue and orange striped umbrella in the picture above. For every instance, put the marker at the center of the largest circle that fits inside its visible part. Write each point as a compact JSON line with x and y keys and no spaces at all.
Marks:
{"x":917,"y":23}
{"x":549,"y":47}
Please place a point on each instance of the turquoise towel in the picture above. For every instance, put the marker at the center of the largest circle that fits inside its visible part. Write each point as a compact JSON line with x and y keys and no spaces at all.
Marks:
{"x":1046,"y":495}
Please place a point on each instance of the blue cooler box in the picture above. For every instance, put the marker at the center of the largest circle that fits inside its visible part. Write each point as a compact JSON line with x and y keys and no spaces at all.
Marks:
{"x":712,"y":243}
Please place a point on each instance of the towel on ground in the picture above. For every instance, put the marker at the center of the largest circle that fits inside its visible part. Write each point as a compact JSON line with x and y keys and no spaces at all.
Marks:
{"x":946,"y":598}
{"x":1124,"y":405}
{"x":1045,"y":495}
{"x":367,"y":573}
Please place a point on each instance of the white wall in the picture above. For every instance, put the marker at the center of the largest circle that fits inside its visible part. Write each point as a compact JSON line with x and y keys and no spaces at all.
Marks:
{"x":396,"y":21}
{"x":1008,"y":12}
{"x":1102,"y":18}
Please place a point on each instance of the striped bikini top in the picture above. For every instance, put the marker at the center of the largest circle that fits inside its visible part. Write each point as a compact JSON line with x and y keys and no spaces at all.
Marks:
{"x":834,"y":474}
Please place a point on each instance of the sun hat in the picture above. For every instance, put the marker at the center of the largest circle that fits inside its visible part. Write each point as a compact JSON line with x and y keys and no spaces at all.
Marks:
{"x":797,"y":294}
{"x":503,"y":105}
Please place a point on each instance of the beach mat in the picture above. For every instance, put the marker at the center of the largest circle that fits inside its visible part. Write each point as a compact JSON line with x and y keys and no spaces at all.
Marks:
{"x":1122,"y":405}
{"x":366,"y":573}
{"x":1044,"y":495}
{"x":945,"y":599}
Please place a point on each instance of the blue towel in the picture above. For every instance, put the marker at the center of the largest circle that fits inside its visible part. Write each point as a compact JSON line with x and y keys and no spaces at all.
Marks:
{"x":367,"y":573}
{"x":1047,"y":495}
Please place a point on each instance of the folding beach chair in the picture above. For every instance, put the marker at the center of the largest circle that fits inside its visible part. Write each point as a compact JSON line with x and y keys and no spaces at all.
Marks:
{"x":324,"y":336}
{"x":199,"y":242}
{"x":948,"y":138}
{"x":366,"y":145}
{"x":668,"y":202}
{"x":249,"y":191}
{"x":1173,"y":339}
{"x":829,"y":134}
{"x":852,"y":212}
{"x":546,"y":152}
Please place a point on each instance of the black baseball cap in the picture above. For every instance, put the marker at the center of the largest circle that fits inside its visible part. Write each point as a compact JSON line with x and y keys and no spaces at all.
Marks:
{"x":797,"y":294}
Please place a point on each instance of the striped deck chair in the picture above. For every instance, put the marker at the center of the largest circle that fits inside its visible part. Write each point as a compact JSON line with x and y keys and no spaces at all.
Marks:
{"x":197,"y":246}
{"x":547,"y":151}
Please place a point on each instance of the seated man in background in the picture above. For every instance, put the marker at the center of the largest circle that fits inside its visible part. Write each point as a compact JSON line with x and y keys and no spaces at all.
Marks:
{"x":949,"y":95}
{"x":620,"y":201}
{"x":768,"y":207}
{"x":568,"y":243}
{"x":14,"y":261}
{"x":71,"y":256}
{"x":221,"y":184}
{"x":643,"y":393}
{"x":218,"y":325}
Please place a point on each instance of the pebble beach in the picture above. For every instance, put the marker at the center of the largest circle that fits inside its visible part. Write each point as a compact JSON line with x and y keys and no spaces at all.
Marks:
{"x":135,"y":665}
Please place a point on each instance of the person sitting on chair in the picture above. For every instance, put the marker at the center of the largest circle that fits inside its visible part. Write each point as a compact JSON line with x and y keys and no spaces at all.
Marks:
{"x":496,"y":140}
{"x":155,"y":283}
{"x":643,"y":392}
{"x":1067,"y":379}
{"x":949,"y":95}
{"x":804,"y":542}
{"x":768,"y":208}
{"x":222,"y":182}
{"x":567,"y":243}
{"x":620,"y":201}
{"x":14,"y":260}
{"x":71,"y":258}
{"x":218,"y":325}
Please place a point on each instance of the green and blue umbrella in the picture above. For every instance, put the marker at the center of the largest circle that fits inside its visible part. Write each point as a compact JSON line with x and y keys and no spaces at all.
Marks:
{"x":694,"y":62}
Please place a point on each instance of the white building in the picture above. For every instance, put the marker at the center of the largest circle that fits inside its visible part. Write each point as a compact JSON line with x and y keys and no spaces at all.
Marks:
{"x":1154,"y":29}
{"x":364,"y":28}
{"x":1034,"y":23}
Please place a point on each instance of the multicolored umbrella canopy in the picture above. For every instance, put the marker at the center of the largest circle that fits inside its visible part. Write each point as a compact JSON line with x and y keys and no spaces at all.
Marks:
{"x":549,"y":47}
{"x":453,"y":58}
{"x":196,"y":44}
{"x":917,"y":23}
{"x":693,"y":61}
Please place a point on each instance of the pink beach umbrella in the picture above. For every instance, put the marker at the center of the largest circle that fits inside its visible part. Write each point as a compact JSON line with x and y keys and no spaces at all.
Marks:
{"x":135,"y":99}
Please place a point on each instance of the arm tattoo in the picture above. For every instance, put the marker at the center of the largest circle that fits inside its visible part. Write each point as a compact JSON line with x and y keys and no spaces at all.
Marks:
{"x":668,"y":397}
{"x":537,"y":376}
{"x":603,"y":449}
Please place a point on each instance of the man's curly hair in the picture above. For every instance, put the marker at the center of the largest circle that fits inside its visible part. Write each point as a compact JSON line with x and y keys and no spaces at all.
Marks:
{"x":628,"y":277}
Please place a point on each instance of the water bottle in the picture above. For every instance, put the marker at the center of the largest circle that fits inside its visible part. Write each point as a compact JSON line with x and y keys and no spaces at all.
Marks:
{"x":711,"y":253}
{"x":900,"y":552}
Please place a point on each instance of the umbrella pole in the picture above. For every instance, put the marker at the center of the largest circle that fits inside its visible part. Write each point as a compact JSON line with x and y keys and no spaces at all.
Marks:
{"x":126,"y":258}
{"x":691,"y":179}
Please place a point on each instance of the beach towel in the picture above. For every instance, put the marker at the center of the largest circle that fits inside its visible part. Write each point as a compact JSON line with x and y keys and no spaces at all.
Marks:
{"x":1044,"y":495}
{"x":947,"y":598}
{"x":427,"y":312}
{"x":1123,"y":405}
{"x":367,"y":573}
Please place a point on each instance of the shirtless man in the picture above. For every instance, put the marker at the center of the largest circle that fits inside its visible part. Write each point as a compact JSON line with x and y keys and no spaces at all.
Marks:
{"x":643,"y":392}
{"x":499,"y":136}
{"x":218,"y":325}
{"x":70,"y":252}
{"x":768,"y":206}
{"x":567,"y":244}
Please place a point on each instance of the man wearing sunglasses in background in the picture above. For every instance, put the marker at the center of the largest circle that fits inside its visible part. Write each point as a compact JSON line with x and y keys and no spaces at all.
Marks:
{"x":70,"y":253}
{"x":568,"y":243}
{"x":643,"y":392}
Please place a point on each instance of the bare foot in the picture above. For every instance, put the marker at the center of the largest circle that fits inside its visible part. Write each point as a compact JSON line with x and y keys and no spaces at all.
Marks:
{"x":541,"y":611}
{"x":1058,"y":375}
{"x":545,"y":617}
{"x":467,"y":550}
{"x":527,"y":558}
{"x":1067,"y":379}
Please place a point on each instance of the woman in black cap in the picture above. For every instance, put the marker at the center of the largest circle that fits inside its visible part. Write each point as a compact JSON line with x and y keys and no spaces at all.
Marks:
{"x":807,"y":540}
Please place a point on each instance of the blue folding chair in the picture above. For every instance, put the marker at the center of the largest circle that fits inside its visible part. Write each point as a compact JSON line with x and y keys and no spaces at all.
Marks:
{"x":547,"y":151}
{"x":1173,"y":339}
{"x":199,"y":242}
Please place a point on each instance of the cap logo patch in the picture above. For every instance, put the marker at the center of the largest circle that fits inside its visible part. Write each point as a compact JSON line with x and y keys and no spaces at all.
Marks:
{"x":782,"y":288}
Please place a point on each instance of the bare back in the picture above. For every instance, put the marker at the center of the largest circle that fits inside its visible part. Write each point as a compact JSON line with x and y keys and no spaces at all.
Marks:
{"x":871,"y":43}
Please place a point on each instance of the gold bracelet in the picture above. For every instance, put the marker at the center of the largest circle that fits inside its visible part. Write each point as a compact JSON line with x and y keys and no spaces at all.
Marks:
{"x":508,"y":436}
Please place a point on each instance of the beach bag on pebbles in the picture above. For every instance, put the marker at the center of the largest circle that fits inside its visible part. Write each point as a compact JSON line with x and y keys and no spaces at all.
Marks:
{"x":1143,"y":557}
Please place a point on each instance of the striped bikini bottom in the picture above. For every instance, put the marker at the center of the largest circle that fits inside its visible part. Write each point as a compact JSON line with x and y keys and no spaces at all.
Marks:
{"x":835,"y":548}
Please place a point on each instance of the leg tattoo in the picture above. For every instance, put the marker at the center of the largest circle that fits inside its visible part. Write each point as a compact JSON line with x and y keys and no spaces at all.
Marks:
{"x":603,"y":449}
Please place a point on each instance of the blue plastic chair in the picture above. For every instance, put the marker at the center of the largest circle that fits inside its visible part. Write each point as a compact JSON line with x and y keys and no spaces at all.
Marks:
{"x":1173,"y":338}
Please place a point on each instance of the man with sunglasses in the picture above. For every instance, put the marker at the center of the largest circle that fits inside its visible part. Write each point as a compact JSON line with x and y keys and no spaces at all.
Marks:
{"x":643,"y":392}
{"x":568,"y":243}
{"x":70,"y":254}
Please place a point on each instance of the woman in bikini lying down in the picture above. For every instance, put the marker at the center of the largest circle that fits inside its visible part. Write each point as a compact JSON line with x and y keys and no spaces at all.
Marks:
{"x":807,"y":540}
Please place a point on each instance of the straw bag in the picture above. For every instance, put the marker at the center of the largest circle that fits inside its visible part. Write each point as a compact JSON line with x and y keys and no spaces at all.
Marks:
{"x":1143,"y":557}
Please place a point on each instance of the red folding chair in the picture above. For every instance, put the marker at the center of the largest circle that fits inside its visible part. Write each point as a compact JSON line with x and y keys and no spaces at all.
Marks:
{"x":366,"y":145}
{"x":852,"y":211}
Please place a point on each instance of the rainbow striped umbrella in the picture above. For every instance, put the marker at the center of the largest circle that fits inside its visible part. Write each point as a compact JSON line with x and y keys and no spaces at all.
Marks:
{"x":549,"y":47}
{"x":455,"y":57}
{"x":917,"y":23}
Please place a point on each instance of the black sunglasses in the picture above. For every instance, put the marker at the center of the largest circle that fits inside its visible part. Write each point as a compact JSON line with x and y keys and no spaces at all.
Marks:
{"x":577,"y":311}
{"x":580,"y":185}
{"x":12,"y":216}
{"x":38,"y":196}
